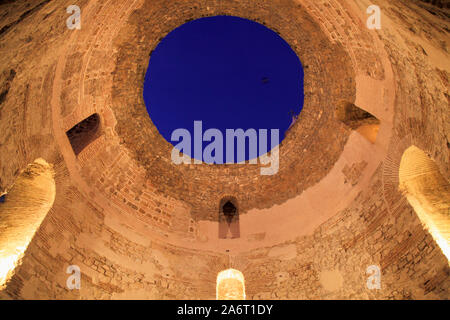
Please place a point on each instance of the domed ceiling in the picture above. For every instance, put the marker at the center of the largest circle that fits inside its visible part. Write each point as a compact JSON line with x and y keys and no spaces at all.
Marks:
{"x":139,"y":225}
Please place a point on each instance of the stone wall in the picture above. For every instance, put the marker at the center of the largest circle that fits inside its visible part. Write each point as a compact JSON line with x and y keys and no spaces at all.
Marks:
{"x":140,"y":227}
{"x":366,"y":233}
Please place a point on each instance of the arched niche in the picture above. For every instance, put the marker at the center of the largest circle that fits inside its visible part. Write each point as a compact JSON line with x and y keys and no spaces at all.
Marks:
{"x":428,"y":192}
{"x":230,"y":285}
{"x":84,"y":133}
{"x":358,"y":119}
{"x":229,"y":227}
{"x":24,"y":208}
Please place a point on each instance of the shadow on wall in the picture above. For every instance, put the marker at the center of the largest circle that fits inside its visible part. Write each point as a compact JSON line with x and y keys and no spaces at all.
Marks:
{"x":359,"y":120}
{"x":22,"y":212}
{"x":428,"y":192}
{"x":229,"y":227}
{"x":83,"y":133}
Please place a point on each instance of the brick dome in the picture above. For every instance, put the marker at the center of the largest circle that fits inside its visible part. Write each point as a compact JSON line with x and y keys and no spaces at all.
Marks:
{"x":140,"y":226}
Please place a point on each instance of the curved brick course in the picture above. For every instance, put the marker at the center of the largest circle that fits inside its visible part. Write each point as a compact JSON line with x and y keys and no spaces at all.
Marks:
{"x":139,"y":226}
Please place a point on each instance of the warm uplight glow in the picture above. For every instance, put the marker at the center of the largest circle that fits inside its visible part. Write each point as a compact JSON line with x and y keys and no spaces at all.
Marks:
{"x":8,"y":263}
{"x":22,"y":213}
{"x":428,"y":192}
{"x":369,"y":131}
{"x":431,"y":226}
{"x":230,"y":285}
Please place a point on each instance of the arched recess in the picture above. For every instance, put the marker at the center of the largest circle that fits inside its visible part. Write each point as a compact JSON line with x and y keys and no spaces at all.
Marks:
{"x":230,"y":285}
{"x":428,"y":192}
{"x":229,"y":227}
{"x":357,"y":119}
{"x":22,"y":212}
{"x":84,"y":133}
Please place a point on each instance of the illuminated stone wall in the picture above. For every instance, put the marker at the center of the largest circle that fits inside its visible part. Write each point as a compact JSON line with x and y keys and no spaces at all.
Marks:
{"x":24,"y":208}
{"x":140,"y":227}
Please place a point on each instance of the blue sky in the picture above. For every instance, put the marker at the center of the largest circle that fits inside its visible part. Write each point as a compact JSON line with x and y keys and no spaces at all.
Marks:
{"x":227,"y":72}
